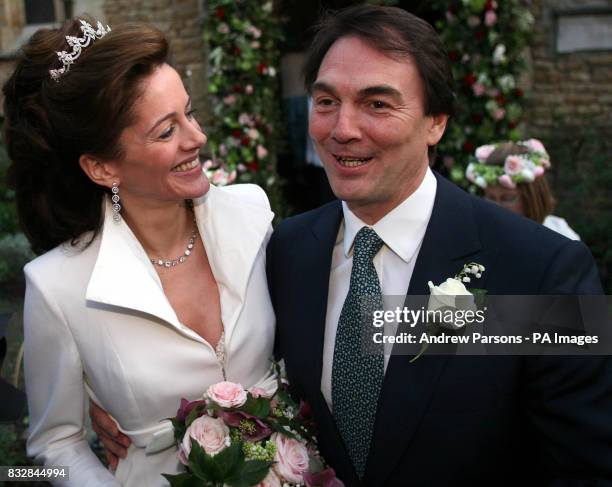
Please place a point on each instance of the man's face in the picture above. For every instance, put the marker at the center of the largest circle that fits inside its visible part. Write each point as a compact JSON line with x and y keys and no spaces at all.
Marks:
{"x":369,"y":126}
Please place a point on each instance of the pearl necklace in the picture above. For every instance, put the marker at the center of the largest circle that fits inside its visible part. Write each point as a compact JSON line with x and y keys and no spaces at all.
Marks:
{"x":181,"y":258}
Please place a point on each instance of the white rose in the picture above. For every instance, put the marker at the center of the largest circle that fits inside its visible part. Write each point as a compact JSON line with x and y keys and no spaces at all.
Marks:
{"x":528,"y":175}
{"x":450,"y":294}
{"x":212,"y":434}
{"x":480,"y":182}
{"x":499,"y":54}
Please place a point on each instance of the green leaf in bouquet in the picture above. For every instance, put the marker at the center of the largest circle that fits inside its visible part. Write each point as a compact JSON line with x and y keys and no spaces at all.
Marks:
{"x":284,"y":425}
{"x":252,"y":473}
{"x":258,"y":407}
{"x":179,"y":429}
{"x":203,"y":465}
{"x":230,"y":460}
{"x":184,"y":479}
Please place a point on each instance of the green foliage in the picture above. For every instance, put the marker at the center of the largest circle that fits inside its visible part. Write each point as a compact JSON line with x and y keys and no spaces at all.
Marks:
{"x":8,"y":211}
{"x":12,"y":449}
{"x":485,"y":40}
{"x":15,"y":252}
{"x":243,"y":38}
{"x":228,"y":467}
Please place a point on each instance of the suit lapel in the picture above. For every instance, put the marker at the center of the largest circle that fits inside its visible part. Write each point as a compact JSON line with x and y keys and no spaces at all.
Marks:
{"x":312,"y":270}
{"x":451,"y":240}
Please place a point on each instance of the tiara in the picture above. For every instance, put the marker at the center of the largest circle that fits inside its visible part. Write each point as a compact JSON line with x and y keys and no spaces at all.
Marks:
{"x":77,"y":44}
{"x":517,"y":168}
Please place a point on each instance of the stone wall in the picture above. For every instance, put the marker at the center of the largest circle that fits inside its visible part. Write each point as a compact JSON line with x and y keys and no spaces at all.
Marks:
{"x":182,"y":22}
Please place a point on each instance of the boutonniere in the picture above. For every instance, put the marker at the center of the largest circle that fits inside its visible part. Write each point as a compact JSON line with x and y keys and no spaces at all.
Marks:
{"x":450,"y":300}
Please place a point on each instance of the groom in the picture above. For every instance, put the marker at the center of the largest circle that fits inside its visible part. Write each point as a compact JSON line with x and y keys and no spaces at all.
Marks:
{"x":382,"y":94}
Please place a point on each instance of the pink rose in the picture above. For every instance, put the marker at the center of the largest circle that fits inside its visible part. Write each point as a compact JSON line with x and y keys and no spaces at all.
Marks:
{"x":248,"y":89}
{"x":538,"y":171}
{"x":260,"y":392}
{"x":490,"y":18}
{"x":535,"y":145}
{"x":291,"y":457}
{"x":211,"y":434}
{"x":506,"y":181}
{"x":484,"y":151}
{"x":271,"y":480}
{"x":227,"y":394}
{"x":514,"y":165}
{"x":499,"y":114}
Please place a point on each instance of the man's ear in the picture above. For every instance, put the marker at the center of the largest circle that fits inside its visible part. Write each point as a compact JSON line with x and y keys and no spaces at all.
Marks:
{"x":436,"y":128}
{"x":100,"y":172}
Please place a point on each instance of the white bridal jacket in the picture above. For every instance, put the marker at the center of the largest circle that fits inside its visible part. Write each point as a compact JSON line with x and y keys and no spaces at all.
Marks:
{"x":98,"y":324}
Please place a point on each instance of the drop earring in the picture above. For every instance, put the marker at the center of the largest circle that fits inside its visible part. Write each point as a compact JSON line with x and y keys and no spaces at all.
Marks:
{"x":116,"y":206}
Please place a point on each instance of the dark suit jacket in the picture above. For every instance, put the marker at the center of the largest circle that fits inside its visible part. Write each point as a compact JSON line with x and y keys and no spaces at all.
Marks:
{"x":456,"y":420}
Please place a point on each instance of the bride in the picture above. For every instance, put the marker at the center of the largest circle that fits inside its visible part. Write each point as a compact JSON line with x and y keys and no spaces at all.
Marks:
{"x":152,"y":283}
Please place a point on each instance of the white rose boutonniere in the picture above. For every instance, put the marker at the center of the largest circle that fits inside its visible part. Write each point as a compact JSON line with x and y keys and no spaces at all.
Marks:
{"x":449,"y":297}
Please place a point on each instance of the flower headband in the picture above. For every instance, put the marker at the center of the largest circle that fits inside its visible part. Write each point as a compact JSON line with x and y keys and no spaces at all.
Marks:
{"x":517,"y":168}
{"x":77,"y":44}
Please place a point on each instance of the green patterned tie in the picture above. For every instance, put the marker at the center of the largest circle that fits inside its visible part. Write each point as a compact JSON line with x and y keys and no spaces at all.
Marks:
{"x":357,"y":371}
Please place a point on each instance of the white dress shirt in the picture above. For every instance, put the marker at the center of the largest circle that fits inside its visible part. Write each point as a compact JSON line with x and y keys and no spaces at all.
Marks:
{"x":402,"y":231}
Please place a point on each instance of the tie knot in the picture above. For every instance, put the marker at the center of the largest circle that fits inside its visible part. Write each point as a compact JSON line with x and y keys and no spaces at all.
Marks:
{"x":367,"y":244}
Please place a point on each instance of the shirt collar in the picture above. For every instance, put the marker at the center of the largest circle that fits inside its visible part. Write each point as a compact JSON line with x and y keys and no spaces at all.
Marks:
{"x":403,"y":228}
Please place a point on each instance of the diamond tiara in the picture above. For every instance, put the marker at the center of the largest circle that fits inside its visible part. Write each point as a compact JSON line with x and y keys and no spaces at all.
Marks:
{"x":77,"y":44}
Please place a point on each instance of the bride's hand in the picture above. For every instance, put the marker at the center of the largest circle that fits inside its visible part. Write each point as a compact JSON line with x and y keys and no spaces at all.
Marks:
{"x":115,"y":443}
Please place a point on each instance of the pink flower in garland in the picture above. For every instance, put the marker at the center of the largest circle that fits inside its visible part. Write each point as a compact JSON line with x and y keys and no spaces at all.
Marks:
{"x":478,"y":89}
{"x":506,"y":181}
{"x":490,"y":18}
{"x":261,"y":151}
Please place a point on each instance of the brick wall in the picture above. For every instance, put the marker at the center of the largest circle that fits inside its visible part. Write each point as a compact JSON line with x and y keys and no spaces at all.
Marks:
{"x":567,"y":89}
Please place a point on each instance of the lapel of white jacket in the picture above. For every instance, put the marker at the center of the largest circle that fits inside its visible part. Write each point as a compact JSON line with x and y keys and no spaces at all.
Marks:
{"x":232,"y":231}
{"x":234,"y":228}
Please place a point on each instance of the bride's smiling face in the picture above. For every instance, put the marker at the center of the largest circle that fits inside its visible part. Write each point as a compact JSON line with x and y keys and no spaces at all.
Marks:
{"x":160,"y":161}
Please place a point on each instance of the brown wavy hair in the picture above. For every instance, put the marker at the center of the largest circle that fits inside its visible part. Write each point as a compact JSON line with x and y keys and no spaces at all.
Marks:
{"x":50,"y":124}
{"x":536,"y":197}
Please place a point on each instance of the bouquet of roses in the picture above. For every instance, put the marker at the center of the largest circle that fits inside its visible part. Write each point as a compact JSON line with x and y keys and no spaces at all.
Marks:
{"x":237,"y":437}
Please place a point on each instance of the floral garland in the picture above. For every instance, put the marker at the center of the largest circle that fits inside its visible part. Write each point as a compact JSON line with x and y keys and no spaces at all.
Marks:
{"x":243,"y":38}
{"x":517,"y":168}
{"x":485,"y":40}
